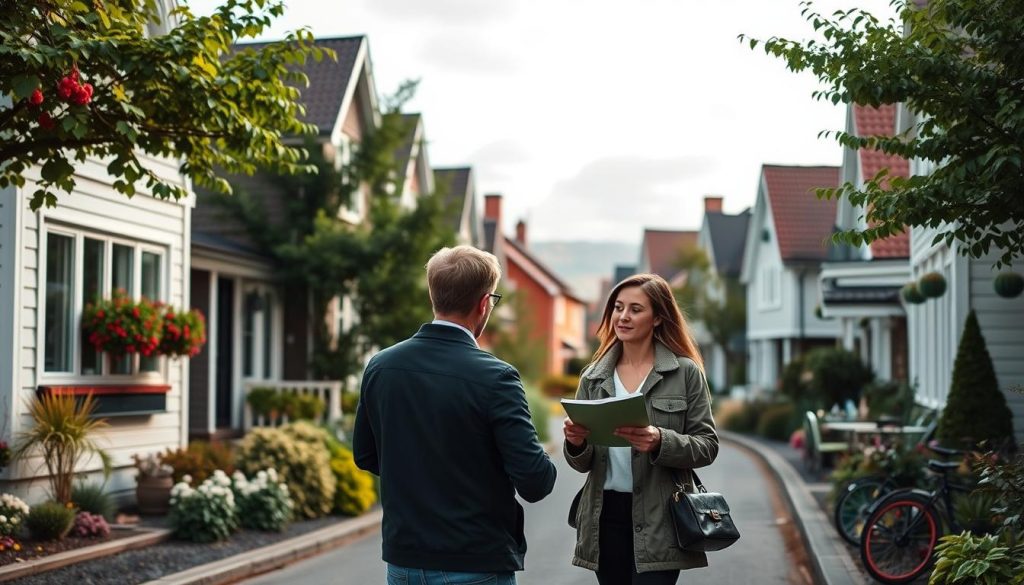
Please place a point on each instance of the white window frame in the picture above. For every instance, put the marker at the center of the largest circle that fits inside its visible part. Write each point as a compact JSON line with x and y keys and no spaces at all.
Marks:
{"x":258,"y":339}
{"x":79,"y":236}
{"x":770,"y":287}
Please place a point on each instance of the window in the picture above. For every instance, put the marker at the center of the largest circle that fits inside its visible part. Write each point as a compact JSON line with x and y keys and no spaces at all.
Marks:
{"x":80,"y":269}
{"x":770,"y":286}
{"x":258,"y":327}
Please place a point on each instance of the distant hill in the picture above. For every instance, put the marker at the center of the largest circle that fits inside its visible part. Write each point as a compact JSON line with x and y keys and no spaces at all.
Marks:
{"x":583,"y":264}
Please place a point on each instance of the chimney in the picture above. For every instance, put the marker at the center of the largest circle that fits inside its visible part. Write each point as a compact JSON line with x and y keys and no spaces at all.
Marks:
{"x":521,"y":232}
{"x":713,"y":203}
{"x":492,"y":208}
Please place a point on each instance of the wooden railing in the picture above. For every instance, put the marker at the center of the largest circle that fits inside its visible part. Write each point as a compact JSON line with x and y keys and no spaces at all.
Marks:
{"x":329,"y":391}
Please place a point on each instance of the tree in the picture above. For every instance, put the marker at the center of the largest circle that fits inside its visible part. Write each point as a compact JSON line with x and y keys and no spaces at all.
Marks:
{"x":719,"y":303}
{"x":93,"y":79}
{"x":956,"y":65}
{"x":975,"y":409}
{"x":518,"y":342}
{"x":378,"y":264}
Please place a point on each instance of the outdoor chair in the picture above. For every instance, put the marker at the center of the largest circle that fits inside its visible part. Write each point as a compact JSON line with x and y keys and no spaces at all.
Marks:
{"x":814,"y":449}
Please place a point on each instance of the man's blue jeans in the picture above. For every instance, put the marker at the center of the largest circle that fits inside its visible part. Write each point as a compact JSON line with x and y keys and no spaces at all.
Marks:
{"x":403,"y":576}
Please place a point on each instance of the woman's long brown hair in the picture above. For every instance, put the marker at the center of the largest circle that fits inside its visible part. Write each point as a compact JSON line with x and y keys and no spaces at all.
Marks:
{"x":672,"y":331}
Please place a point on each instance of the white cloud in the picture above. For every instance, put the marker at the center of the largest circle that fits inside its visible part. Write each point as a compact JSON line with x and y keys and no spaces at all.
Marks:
{"x":441,"y":11}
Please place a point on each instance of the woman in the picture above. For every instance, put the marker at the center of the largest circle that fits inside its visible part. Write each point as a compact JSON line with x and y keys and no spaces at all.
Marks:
{"x":623,"y":528}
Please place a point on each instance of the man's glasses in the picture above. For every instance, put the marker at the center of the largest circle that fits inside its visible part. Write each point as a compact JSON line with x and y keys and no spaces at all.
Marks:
{"x":495,"y":299}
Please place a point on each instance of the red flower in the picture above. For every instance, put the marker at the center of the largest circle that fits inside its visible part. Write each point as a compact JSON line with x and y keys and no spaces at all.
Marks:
{"x":100,"y":313}
{"x":130,"y":349}
{"x":36,"y":98}
{"x":46,"y":121}
{"x":135,"y":312}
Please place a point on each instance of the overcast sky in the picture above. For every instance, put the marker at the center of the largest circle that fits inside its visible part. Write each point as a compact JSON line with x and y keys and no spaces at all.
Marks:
{"x":595,"y":118}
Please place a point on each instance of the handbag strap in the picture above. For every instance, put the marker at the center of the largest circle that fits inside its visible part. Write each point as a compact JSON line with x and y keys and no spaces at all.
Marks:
{"x":696,"y":481}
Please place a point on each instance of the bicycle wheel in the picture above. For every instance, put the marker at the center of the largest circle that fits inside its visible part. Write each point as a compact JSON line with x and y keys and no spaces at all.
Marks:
{"x":853,"y":503}
{"x":899,"y":538}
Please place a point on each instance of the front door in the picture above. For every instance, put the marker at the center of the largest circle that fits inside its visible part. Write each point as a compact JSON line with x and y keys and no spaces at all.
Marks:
{"x":225,"y":351}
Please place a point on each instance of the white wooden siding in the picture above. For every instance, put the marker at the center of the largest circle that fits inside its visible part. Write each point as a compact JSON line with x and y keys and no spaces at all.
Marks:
{"x":95,"y":207}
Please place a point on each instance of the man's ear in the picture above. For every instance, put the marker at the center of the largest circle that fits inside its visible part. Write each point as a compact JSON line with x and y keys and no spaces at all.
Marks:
{"x":482,"y":305}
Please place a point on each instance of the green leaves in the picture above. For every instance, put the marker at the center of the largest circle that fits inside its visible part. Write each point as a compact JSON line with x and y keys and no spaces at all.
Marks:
{"x":176,"y":95}
{"x":956,"y":70}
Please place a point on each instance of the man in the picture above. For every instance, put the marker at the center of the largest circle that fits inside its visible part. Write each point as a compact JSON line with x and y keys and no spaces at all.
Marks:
{"x":447,"y":428}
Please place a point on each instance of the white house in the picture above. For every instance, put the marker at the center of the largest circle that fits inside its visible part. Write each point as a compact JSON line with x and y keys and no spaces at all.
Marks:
{"x":53,"y":262}
{"x":723,"y":237}
{"x":934,"y":327}
{"x":860,"y":286}
{"x":785,"y":245}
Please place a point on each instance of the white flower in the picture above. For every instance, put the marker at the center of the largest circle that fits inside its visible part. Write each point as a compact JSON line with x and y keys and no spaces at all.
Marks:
{"x":187,"y":478}
{"x":3,"y":519}
{"x":15,"y":520}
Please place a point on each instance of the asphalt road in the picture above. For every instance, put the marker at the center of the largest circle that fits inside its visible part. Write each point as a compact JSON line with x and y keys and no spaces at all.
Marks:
{"x":759,"y":557}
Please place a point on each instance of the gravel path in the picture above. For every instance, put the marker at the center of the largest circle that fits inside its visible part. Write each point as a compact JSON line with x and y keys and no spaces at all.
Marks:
{"x":139,"y":566}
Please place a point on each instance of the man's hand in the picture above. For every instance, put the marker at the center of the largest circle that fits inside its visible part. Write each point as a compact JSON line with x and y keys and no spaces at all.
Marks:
{"x":643,"y":439}
{"x":574,"y":433}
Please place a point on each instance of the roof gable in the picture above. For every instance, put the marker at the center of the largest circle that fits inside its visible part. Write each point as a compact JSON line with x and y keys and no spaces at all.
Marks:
{"x":881,"y":121}
{"x":329,"y":80}
{"x":660,"y":250}
{"x":802,"y":221}
{"x":728,"y":236}
{"x":517,"y":253}
{"x":454,"y":186}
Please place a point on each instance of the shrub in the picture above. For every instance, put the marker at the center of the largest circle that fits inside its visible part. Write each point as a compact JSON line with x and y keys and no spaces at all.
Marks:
{"x":795,"y":379}
{"x":740,"y":416}
{"x":836,"y":375}
{"x":559,"y":386}
{"x":62,"y":429}
{"x":88,"y":525}
{"x":199,"y":460}
{"x":894,"y":399}
{"x":976,"y":560}
{"x":206,"y":513}
{"x":905,"y":466}
{"x":307,"y":407}
{"x":12,"y":514}
{"x":262,"y":503}
{"x":975,"y":409}
{"x":304,"y":466}
{"x":777,"y":422}
{"x":94,"y":499}
{"x":540,"y":414}
{"x":50,"y":520}
{"x":349,"y":402}
{"x":355,"y":492}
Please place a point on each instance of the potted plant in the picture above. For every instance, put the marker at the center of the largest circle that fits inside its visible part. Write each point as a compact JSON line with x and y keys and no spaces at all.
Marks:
{"x":932,"y":285}
{"x":1008,"y":284}
{"x":911,"y":295}
{"x":120,"y":325}
{"x":153,"y":484}
{"x":184,"y":332}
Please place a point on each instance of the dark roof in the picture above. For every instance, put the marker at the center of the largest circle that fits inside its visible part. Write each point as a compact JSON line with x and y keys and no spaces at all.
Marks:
{"x":802,"y":221}
{"x":410,"y":122}
{"x":328,"y":79}
{"x":728,"y":239}
{"x":490,"y":231}
{"x":453,"y":186}
{"x":663,"y":249}
{"x":622,"y":272}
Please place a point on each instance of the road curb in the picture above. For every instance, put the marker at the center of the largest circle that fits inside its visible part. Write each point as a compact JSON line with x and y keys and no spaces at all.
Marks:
{"x":274,"y":556}
{"x":831,"y":562}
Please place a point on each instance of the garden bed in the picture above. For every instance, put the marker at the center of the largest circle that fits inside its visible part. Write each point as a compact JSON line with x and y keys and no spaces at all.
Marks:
{"x":172,"y":556}
{"x":28,"y":550}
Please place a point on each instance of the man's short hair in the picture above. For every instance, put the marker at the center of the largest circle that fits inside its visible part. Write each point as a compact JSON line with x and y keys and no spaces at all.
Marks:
{"x":459,"y":277}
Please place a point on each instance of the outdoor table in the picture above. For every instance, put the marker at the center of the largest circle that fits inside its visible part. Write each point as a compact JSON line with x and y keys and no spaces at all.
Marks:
{"x":853,"y":428}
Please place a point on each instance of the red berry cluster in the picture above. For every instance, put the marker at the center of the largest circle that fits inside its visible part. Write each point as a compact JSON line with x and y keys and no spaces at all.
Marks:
{"x":72,"y":90}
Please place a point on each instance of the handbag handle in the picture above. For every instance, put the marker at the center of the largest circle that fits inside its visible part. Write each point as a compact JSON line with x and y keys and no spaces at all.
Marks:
{"x":696,"y":482}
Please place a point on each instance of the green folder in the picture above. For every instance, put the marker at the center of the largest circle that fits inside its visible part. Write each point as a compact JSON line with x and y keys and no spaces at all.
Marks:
{"x":605,"y":415}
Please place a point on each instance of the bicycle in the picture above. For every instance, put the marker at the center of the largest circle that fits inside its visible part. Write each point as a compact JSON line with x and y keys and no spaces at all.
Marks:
{"x":903,"y":528}
{"x":855,"y":500}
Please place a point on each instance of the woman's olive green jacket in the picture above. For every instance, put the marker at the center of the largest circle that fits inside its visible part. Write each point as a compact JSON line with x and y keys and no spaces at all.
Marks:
{"x":678,"y":403}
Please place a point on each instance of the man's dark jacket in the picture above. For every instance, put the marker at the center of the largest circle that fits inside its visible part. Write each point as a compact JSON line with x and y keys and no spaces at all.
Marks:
{"x":447,"y":428}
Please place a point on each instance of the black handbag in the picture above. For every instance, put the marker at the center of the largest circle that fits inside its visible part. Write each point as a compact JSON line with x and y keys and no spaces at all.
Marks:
{"x":702,"y":520}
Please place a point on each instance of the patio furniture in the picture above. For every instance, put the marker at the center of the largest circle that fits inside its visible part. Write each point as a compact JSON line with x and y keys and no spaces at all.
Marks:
{"x":814,"y":448}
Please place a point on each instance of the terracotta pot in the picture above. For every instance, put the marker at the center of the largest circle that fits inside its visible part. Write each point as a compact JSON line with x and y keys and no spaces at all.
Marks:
{"x":153,"y":495}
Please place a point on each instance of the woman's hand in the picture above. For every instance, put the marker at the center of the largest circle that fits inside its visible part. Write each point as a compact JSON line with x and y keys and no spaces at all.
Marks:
{"x":574,"y":433}
{"x":643,"y":439}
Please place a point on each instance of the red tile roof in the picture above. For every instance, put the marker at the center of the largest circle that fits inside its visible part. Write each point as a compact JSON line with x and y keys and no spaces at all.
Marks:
{"x":881,"y":121}
{"x":802,"y":221}
{"x":663,"y":249}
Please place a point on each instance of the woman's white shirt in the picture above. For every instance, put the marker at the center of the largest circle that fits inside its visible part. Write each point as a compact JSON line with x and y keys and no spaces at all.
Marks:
{"x":619,"y":477}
